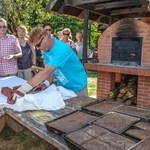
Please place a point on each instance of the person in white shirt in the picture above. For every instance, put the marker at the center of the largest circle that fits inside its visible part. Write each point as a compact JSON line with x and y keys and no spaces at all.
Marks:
{"x":66,"y":34}
{"x":79,"y":46}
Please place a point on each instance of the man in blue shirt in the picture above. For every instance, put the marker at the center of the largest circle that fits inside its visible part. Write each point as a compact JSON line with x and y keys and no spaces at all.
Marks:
{"x":60,"y":60}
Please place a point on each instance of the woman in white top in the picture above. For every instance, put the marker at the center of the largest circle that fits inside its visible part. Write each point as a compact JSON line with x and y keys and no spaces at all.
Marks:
{"x":66,"y":34}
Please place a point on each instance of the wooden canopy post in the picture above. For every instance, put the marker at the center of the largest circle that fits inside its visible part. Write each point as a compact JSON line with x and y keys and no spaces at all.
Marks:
{"x":85,"y":36}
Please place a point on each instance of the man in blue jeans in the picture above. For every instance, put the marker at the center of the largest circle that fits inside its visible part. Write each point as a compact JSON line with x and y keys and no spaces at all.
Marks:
{"x":60,"y":60}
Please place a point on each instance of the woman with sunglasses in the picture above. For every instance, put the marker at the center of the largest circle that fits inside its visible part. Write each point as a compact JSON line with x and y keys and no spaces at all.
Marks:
{"x":10,"y":51}
{"x":39,"y":57}
{"x":60,"y":60}
{"x":48,"y":28}
{"x":28,"y":55}
{"x":66,"y":37}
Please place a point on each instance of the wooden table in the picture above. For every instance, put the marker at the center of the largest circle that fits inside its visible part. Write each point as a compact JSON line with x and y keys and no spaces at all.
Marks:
{"x":18,"y":121}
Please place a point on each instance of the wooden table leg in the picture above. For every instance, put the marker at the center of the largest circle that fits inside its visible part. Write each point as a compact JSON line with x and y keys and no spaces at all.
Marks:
{"x":14,"y":124}
{"x":2,"y":122}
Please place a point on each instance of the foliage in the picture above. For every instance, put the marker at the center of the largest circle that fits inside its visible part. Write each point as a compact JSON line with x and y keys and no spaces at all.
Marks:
{"x":76,"y":25}
{"x":92,"y":83}
{"x":22,"y":12}
{"x":33,"y":13}
{"x":94,"y":36}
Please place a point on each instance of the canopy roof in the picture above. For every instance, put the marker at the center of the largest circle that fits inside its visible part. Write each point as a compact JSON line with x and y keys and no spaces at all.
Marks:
{"x":100,"y":10}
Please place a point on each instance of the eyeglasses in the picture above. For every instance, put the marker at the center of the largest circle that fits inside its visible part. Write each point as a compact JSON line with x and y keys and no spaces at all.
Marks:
{"x":48,"y":29}
{"x":39,"y":44}
{"x":66,"y":34}
{"x":3,"y":27}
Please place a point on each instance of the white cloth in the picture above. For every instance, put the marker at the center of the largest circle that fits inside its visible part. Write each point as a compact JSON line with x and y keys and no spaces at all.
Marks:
{"x":50,"y":99}
{"x":66,"y":94}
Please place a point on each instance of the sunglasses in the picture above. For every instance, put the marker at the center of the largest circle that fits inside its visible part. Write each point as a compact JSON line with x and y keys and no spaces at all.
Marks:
{"x":48,"y":29}
{"x":39,"y":44}
{"x":66,"y":34}
{"x":3,"y":27}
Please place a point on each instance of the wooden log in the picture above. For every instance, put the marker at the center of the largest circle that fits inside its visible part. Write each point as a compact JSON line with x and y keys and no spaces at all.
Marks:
{"x":113,"y":94}
{"x":129,"y":94}
{"x":120,"y":95}
{"x":124,"y":90}
{"x":131,"y":90}
{"x":124,"y":98}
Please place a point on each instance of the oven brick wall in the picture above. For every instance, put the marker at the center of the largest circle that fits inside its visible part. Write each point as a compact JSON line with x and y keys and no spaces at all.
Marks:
{"x":143,"y":98}
{"x":125,"y":27}
{"x":106,"y":82}
{"x":106,"y":78}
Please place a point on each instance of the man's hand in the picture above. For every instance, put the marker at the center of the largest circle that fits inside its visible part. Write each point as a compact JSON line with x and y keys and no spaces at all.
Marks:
{"x":21,"y":91}
{"x":42,"y":86}
{"x":10,"y":57}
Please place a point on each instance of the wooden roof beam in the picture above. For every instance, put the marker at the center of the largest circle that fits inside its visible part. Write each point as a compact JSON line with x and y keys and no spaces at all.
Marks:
{"x":129,"y":11}
{"x":82,"y":2}
{"x":118,"y":4}
{"x":90,"y":10}
{"x":50,"y":5}
{"x":82,"y":14}
{"x":61,"y":9}
{"x":99,"y":18}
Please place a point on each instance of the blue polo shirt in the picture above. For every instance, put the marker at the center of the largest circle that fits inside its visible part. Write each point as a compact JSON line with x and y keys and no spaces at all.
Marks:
{"x":70,"y":72}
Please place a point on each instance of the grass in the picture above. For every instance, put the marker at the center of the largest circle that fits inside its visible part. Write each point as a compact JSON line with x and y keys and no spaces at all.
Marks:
{"x":26,"y":140}
{"x":92,"y":83}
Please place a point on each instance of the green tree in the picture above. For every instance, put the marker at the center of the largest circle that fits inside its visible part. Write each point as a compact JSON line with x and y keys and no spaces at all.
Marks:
{"x":23,"y":12}
{"x":33,"y":13}
{"x":75,"y":25}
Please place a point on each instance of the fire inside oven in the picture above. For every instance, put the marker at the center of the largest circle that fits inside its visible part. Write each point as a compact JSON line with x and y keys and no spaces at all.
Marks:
{"x":126,"y":51}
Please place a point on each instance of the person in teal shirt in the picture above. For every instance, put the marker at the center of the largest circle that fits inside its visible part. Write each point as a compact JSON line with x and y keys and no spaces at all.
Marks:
{"x":70,"y":72}
{"x":61,"y":61}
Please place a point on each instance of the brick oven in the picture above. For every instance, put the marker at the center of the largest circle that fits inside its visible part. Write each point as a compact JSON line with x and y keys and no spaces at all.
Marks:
{"x":124,"y":48}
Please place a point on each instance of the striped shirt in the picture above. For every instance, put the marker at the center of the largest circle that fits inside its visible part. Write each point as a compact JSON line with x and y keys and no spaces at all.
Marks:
{"x":9,"y":45}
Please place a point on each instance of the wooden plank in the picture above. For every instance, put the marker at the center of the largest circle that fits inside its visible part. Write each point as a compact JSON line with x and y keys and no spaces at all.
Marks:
{"x":14,"y":125}
{"x":2,"y":122}
{"x":86,"y":18}
{"x":129,"y":11}
{"x":82,"y":2}
{"x":81,"y":14}
{"x":118,"y":4}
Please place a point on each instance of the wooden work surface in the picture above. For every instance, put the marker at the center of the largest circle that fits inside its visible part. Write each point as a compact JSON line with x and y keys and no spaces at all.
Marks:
{"x":17,"y":121}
